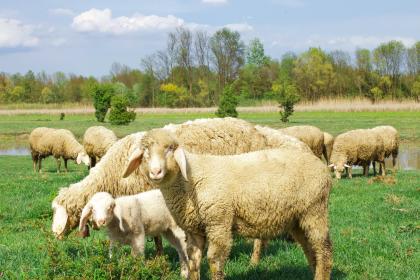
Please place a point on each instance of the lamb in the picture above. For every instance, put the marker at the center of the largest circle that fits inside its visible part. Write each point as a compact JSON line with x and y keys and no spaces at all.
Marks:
{"x":97,"y":141}
{"x":259,"y":195}
{"x":391,"y":139}
{"x":214,"y":136}
{"x":60,"y":143}
{"x":129,"y":219}
{"x":357,"y":147}
{"x":308,"y":134}
{"x":328,"y":146}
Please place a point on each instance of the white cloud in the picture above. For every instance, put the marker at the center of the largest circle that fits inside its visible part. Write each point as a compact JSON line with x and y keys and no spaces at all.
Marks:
{"x":240,"y":27}
{"x":15,"y":34}
{"x":62,"y":12}
{"x":214,"y":2}
{"x":102,"y":21}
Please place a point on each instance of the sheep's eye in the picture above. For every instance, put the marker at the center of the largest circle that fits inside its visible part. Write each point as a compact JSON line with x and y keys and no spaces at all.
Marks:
{"x":169,"y":149}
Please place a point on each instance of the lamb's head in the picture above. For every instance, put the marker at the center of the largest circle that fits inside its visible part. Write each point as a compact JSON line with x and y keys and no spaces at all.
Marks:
{"x":160,"y":157}
{"x":83,"y":157}
{"x":100,"y":208}
{"x":339,"y":168}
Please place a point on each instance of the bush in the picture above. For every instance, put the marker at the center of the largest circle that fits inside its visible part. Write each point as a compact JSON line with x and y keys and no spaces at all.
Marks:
{"x":102,"y":94}
{"x":119,"y":114}
{"x":227,"y":104}
{"x":288,"y":97}
{"x":375,"y":94}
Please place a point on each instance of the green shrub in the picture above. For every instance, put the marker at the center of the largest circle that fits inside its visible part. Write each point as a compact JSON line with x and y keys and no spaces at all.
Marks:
{"x":227,"y":104}
{"x":119,"y":114}
{"x":288,"y":97}
{"x":102,"y":94}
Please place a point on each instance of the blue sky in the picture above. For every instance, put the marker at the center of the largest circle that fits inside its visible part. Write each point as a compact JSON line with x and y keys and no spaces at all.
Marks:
{"x":86,"y":37}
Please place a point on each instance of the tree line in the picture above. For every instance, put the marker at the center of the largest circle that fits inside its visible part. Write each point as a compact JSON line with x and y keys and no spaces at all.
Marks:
{"x":195,"y":68}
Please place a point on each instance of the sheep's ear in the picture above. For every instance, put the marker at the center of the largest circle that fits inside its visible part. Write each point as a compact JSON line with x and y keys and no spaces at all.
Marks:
{"x":133,"y":162}
{"x":86,"y":213}
{"x":346,"y":165}
{"x":180,"y":158}
{"x":79,"y":158}
{"x":331,"y":165}
{"x":60,"y":218}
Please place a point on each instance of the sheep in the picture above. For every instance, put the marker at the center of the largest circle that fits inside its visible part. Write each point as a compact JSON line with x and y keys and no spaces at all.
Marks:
{"x":259,"y":194}
{"x":308,"y":134}
{"x":357,"y":147}
{"x":97,"y":140}
{"x":214,"y":136}
{"x":58,"y":143}
{"x":391,"y":139}
{"x":129,"y":219}
{"x":327,"y":147}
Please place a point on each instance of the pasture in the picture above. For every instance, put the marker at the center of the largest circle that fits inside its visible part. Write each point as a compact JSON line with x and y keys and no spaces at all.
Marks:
{"x":374,"y":223}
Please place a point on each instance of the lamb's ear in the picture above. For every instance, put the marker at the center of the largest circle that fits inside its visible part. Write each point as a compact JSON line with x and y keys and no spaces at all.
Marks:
{"x":86,"y":213}
{"x":180,"y":158}
{"x":133,"y":162}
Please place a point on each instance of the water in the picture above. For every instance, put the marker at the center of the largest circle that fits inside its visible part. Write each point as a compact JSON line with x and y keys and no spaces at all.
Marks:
{"x":408,"y":157}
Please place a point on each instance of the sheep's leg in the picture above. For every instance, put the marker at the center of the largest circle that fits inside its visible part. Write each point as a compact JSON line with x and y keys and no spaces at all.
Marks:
{"x":92,"y":162}
{"x":35,"y":161}
{"x":374,"y":168}
{"x":349,"y":172}
{"x":382,"y":167}
{"x":366,"y":170}
{"x":195,"y":247}
{"x":220,"y":243}
{"x":137,"y":245}
{"x":39,"y":164}
{"x":58,"y":164}
{"x":65,"y":165}
{"x":176,"y":238}
{"x":158,"y":245}
{"x":299,"y":235}
{"x":259,"y":245}
{"x":111,"y":248}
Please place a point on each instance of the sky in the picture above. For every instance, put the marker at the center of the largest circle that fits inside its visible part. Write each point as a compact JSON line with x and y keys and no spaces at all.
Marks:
{"x":86,"y":37}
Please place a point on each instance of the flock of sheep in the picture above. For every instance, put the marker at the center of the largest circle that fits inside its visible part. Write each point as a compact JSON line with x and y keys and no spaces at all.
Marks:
{"x":216,"y":178}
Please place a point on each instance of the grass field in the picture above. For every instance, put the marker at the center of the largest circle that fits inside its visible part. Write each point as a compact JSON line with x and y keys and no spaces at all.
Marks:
{"x":14,"y":129}
{"x":374,"y":226}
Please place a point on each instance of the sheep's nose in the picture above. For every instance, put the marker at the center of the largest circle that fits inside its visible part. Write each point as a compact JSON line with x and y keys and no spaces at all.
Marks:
{"x":101,"y":222}
{"x":156,"y":171}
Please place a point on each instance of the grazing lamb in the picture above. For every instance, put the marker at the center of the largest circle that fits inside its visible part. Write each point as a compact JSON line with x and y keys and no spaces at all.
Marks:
{"x":97,"y":141}
{"x":308,"y":134}
{"x":328,"y":146}
{"x":130,"y":218}
{"x":213,"y":136}
{"x":60,"y":143}
{"x":391,"y":139}
{"x":357,"y":147}
{"x":258,"y":195}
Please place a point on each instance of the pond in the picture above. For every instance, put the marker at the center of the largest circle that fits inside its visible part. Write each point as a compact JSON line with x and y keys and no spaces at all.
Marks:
{"x":408,"y":157}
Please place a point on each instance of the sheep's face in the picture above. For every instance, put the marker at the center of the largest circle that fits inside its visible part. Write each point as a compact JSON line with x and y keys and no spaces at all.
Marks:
{"x":160,"y":157}
{"x":83,"y":157}
{"x":100,"y":209}
{"x":60,"y":220}
{"x":338,"y":169}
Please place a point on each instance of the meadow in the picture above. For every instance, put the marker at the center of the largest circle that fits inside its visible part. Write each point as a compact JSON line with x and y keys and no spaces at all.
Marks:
{"x":374,"y":222}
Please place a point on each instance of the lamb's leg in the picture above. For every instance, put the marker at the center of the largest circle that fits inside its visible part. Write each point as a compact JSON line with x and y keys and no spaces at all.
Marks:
{"x":58,"y":164}
{"x":259,"y":245}
{"x":195,"y":247}
{"x":158,"y":245}
{"x":65,"y":165}
{"x":137,"y":245}
{"x":176,"y":238}
{"x":220,"y":244}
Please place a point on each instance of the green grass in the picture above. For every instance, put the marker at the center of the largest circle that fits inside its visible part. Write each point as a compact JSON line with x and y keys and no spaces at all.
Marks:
{"x":374,"y":226}
{"x":14,"y":127}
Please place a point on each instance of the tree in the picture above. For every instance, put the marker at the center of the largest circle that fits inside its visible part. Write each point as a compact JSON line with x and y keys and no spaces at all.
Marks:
{"x":119,"y":115}
{"x":415,"y":90}
{"x":413,"y":59}
{"x":288,"y":97}
{"x":228,"y":103}
{"x":255,"y":53}
{"x":375,"y":94}
{"x":102,"y":94}
{"x":227,"y":55}
{"x":47,"y":95}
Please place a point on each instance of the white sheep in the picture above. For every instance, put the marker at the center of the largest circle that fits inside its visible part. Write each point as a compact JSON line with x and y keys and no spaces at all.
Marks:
{"x":328,"y":146}
{"x":308,"y":134}
{"x":60,"y":143}
{"x":97,"y":140}
{"x":259,"y":195}
{"x":129,"y":219}
{"x":391,"y":139}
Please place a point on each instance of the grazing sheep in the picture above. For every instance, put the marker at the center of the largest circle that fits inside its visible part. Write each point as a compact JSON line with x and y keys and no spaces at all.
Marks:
{"x":97,"y":141}
{"x":310,"y":135}
{"x":258,"y":195}
{"x":129,"y":219}
{"x":357,"y":147}
{"x":328,"y":146}
{"x":60,"y":143}
{"x":391,"y":139}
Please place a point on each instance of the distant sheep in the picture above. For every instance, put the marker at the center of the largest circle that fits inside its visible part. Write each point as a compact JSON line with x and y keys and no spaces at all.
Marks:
{"x":391,"y":139}
{"x":130,"y":218}
{"x":60,"y":143}
{"x":258,"y":195}
{"x":97,"y":140}
{"x":308,"y":134}
{"x":328,"y":146}
{"x":357,"y":147}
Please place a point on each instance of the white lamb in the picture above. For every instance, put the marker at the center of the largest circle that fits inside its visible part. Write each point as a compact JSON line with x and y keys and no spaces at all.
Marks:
{"x":130,"y":218}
